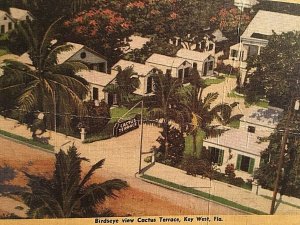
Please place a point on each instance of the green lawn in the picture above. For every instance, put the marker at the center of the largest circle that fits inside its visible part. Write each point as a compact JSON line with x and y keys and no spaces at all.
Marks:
{"x":115,"y":113}
{"x":203,"y":195}
{"x":235,"y":124}
{"x":260,"y":103}
{"x":118,"y":112}
{"x":214,"y":81}
{"x":3,"y":52}
{"x":189,"y":144}
{"x":27,"y":141}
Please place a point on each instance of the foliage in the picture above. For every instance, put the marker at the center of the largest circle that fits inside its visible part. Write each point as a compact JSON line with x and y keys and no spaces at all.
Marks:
{"x":175,"y":147}
{"x":155,"y":45}
{"x":47,"y":11}
{"x":46,"y":85}
{"x":165,"y":89}
{"x":127,"y":82}
{"x":229,"y":170}
{"x":200,"y":111}
{"x":290,"y":180}
{"x":227,"y":69}
{"x":100,"y":28}
{"x":96,"y":118}
{"x":68,"y":193}
{"x":276,"y":70}
{"x":231,"y":21}
{"x":27,"y":141}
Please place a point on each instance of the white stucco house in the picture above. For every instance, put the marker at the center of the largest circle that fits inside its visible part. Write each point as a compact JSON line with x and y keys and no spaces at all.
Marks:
{"x":144,"y":74}
{"x":97,"y":82}
{"x":255,"y":37}
{"x":7,"y":22}
{"x":204,"y":62}
{"x":92,"y":59}
{"x":245,"y":4}
{"x":20,"y":14}
{"x":177,"y":67}
{"x":242,"y":147}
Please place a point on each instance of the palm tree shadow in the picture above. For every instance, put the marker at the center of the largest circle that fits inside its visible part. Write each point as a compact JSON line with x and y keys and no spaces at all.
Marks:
{"x":7,"y":174}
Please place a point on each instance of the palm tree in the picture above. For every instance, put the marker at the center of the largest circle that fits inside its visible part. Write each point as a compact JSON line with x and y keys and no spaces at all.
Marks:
{"x":200,"y":113}
{"x":67,"y":194}
{"x":46,"y":85}
{"x":165,"y":89}
{"x":127,"y":82}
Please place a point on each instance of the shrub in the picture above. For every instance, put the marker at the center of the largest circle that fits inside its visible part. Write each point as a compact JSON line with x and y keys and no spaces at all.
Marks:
{"x":176,"y":145}
{"x":237,"y":181}
{"x":95,"y":120}
{"x":229,"y":171}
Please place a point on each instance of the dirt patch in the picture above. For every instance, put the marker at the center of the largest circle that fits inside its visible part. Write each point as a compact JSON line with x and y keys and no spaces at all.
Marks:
{"x":130,"y":201}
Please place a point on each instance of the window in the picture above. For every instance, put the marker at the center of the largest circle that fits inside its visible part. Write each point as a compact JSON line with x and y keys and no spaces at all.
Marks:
{"x":253,"y":50}
{"x":149,"y":85}
{"x":216,"y":155}
{"x":83,"y":55}
{"x":251,"y":129}
{"x":27,"y":17}
{"x":2,"y":30}
{"x":180,"y":74}
{"x":179,"y":42}
{"x":245,"y":163}
{"x":195,"y":66}
{"x":95,"y":93}
{"x":168,"y":72}
{"x":9,"y":25}
{"x":210,"y":65}
{"x":234,"y":53}
{"x":5,"y":18}
{"x":210,"y":47}
{"x":186,"y":72}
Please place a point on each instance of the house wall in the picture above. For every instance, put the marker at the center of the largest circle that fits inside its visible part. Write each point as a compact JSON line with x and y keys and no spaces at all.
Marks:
{"x":227,"y":159}
{"x":90,"y":58}
{"x":260,"y":130}
{"x":5,"y":23}
{"x":101,"y":94}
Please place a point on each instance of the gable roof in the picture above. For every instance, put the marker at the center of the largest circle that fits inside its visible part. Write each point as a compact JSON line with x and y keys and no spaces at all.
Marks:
{"x":268,"y":117}
{"x":140,"y":69}
{"x":3,"y":13}
{"x":265,"y":22}
{"x":165,"y":60}
{"x":19,"y":14}
{"x":240,"y":140}
{"x":95,"y":77}
{"x":63,"y":56}
{"x":193,"y":55}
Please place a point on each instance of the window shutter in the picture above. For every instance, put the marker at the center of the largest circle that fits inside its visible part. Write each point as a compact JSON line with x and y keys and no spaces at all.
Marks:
{"x":221,"y":157}
{"x":251,"y":165}
{"x":238,"y":163}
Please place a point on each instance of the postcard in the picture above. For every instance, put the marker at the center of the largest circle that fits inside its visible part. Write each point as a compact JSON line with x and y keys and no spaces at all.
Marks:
{"x":149,"y":112}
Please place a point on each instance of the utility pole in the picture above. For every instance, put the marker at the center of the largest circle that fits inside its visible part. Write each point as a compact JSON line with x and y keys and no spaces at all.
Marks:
{"x":282,"y":151}
{"x":142,"y":134}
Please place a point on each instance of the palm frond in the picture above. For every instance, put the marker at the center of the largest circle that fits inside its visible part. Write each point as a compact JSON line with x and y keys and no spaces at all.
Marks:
{"x":209,"y":99}
{"x":90,"y":173}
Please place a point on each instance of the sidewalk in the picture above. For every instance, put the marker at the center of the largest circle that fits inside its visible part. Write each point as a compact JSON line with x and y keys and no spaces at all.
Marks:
{"x":56,"y":139}
{"x":216,"y":188}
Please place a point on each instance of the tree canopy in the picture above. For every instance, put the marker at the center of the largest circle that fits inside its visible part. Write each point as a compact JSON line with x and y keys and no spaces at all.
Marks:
{"x":276,"y":70}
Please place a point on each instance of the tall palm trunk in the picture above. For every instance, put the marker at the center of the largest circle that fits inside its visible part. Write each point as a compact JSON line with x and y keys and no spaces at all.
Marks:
{"x":166,"y":130}
{"x":194,"y":135}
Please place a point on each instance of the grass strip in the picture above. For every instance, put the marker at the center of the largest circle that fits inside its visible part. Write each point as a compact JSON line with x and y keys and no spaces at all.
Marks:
{"x":202,"y":194}
{"x":27,"y":141}
{"x":282,"y":202}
